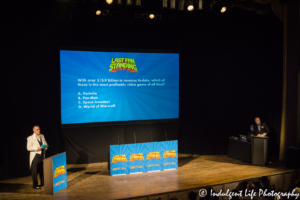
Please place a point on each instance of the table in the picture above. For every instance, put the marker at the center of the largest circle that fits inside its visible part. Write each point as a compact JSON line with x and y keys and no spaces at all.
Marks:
{"x":239,"y":150}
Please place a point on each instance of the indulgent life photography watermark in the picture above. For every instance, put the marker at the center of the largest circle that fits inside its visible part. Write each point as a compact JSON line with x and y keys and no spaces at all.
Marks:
{"x":250,"y":193}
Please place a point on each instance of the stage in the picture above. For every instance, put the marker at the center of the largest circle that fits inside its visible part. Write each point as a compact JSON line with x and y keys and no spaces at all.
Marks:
{"x":92,"y":181}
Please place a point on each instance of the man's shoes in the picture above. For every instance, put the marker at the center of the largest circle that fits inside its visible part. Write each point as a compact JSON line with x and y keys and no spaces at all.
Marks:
{"x":37,"y":188}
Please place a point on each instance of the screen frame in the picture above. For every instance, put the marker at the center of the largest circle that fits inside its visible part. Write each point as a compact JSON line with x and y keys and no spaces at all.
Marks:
{"x":131,"y":122}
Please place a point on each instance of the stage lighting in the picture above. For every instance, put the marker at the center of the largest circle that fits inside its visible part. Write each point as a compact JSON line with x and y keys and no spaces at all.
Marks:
{"x":200,"y":4}
{"x":164,"y":3}
{"x":119,"y":2}
{"x":151,"y":16}
{"x":145,"y":16}
{"x":138,"y":2}
{"x":137,"y":15}
{"x":157,"y":17}
{"x":172,"y":4}
{"x":91,"y":12}
{"x":171,"y":18}
{"x":105,"y":12}
{"x":129,"y":2}
{"x":190,"y":8}
{"x":98,"y":12}
{"x":181,"y":5}
{"x":190,"y":5}
{"x":223,"y":9}
{"x":109,"y":1}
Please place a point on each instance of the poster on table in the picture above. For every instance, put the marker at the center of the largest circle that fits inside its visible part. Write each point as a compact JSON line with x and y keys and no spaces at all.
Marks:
{"x":143,"y":157}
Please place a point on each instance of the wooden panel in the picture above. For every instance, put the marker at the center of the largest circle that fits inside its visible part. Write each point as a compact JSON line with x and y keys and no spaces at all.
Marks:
{"x":140,"y":198}
{"x":287,"y":181}
{"x":162,"y":196}
{"x":179,"y":195}
{"x":217,"y":189}
{"x":230,"y":187}
{"x":277,"y":181}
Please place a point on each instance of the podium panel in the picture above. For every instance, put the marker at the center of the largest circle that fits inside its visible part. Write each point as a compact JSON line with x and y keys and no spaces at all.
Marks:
{"x":143,"y":157}
{"x":55,"y":173}
{"x":259,"y":154}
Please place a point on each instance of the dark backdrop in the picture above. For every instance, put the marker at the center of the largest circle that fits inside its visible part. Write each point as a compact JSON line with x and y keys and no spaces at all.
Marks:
{"x":230,"y":72}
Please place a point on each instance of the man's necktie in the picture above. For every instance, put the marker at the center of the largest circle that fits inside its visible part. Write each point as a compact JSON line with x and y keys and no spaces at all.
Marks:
{"x":40,"y":140}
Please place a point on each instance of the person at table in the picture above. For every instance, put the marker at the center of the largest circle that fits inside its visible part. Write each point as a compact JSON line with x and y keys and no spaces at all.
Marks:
{"x":261,"y":128}
{"x":251,"y":131}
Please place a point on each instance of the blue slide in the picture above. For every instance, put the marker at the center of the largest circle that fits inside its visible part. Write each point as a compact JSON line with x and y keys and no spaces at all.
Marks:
{"x":118,"y":86}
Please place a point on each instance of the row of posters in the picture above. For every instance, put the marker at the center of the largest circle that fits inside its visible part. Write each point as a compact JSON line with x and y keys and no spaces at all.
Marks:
{"x":143,"y":157}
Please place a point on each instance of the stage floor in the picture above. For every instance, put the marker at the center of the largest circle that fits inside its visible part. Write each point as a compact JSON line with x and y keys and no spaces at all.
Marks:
{"x":92,"y":181}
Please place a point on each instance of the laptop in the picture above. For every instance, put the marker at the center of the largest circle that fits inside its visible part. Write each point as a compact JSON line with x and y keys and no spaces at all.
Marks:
{"x":243,"y":138}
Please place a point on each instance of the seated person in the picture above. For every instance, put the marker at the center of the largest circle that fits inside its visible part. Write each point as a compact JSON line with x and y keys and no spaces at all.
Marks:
{"x":192,"y":195}
{"x":265,"y":185}
{"x":235,"y":192}
{"x":251,"y":131}
{"x":209,"y":196}
{"x":173,"y":198}
{"x":297,"y":183}
{"x":250,"y":187}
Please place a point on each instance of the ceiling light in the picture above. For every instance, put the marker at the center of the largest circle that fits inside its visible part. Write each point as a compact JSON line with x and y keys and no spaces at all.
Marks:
{"x":190,"y":8}
{"x":151,"y":16}
{"x":98,"y":12}
{"x":109,"y":1}
{"x":223,"y":9}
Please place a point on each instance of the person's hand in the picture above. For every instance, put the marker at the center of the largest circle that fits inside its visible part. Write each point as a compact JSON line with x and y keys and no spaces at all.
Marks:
{"x":46,"y":149}
{"x":40,"y":148}
{"x":259,"y":135}
{"x":264,"y":134}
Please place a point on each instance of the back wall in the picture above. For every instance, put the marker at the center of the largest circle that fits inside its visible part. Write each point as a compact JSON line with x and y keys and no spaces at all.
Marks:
{"x":230,"y":72}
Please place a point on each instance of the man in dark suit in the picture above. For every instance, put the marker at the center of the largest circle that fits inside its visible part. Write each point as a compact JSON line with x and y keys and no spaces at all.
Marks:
{"x":261,"y":128}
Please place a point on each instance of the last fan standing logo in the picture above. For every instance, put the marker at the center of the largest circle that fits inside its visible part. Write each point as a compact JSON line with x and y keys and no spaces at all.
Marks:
{"x":118,"y":64}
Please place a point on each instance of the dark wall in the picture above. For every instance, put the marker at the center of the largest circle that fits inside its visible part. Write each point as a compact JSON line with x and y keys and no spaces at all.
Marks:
{"x":230,"y":72}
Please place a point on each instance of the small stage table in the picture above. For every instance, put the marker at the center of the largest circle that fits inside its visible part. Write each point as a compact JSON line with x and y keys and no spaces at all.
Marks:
{"x":239,"y":150}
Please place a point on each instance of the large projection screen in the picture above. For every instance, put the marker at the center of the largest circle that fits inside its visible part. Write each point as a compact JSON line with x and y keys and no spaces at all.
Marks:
{"x":99,"y":86}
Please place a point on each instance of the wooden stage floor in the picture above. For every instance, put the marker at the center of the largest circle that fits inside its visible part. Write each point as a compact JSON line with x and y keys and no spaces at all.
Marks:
{"x":92,"y":181}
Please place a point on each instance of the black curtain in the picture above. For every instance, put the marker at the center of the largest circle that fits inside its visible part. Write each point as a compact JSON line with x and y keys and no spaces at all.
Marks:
{"x":91,"y":144}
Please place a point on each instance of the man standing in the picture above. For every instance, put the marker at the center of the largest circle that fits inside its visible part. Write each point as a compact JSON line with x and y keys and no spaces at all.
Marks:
{"x":261,"y":129}
{"x":37,"y":154}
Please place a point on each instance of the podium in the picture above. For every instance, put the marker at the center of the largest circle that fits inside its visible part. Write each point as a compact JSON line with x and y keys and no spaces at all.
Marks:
{"x":55,"y":173}
{"x":259,"y":150}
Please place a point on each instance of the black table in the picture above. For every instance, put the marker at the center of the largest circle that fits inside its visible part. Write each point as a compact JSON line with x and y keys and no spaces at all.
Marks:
{"x":239,"y":150}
